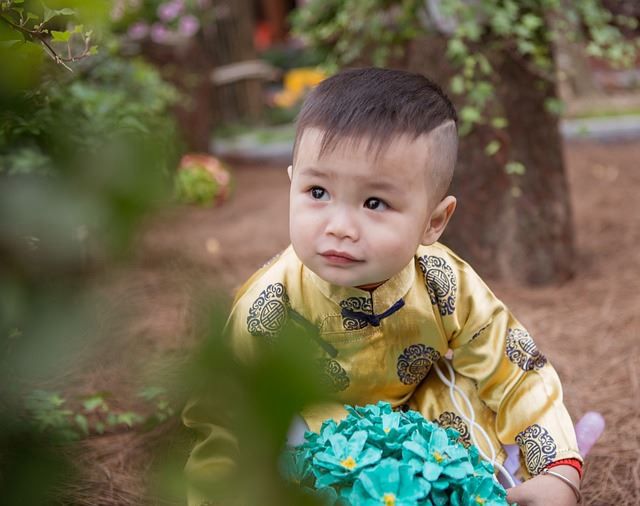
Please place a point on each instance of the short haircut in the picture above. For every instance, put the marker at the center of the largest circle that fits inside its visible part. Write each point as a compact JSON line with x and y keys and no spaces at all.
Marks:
{"x":380,"y":104}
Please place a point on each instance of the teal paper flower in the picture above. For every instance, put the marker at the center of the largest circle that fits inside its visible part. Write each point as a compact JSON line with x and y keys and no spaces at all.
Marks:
{"x":295,"y":466}
{"x":484,"y":491}
{"x":376,"y":456}
{"x":315,"y":442}
{"x":389,"y":483}
{"x":389,"y":433}
{"x":344,"y":459}
{"x":442,"y":458}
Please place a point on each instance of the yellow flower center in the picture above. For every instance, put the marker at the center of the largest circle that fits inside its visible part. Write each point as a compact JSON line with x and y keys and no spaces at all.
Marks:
{"x":438,"y":456}
{"x":387,"y":430}
{"x":480,"y":500}
{"x":389,"y":499}
{"x":349,"y":462}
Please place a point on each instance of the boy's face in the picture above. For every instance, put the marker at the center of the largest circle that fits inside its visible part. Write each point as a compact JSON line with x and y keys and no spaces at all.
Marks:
{"x":354,"y":220}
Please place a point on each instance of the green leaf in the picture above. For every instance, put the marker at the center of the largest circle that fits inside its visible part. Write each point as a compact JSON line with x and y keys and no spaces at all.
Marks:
{"x":531,"y":21}
{"x":52,"y":13}
{"x":554,"y":106}
{"x":150,"y":393}
{"x":492,"y":148}
{"x":457,"y":85}
{"x":499,"y":122}
{"x":94,"y":402}
{"x":129,"y":418}
{"x":83,"y":423}
{"x":470,"y":114}
{"x":60,"y":36}
{"x":516,"y":168}
{"x":456,"y":48}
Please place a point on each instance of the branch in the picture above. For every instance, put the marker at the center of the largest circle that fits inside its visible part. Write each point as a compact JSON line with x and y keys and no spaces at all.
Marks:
{"x":42,"y":37}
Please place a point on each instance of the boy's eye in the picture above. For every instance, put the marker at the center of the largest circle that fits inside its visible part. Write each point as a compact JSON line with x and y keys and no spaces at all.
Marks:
{"x":375,"y":204}
{"x":319,"y":193}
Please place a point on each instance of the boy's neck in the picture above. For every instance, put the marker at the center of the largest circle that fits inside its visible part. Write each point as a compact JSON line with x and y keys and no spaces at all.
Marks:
{"x":371,"y":286}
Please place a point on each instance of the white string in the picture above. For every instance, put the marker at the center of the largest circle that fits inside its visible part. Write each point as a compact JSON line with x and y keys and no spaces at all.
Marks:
{"x":470,"y":419}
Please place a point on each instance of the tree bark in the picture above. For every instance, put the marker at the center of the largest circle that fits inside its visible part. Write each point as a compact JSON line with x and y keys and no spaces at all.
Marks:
{"x":511,"y":227}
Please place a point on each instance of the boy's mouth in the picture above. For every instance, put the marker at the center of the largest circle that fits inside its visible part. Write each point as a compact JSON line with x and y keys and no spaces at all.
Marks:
{"x":339,"y":257}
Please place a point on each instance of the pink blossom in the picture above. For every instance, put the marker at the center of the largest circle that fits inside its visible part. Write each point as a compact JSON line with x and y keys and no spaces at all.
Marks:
{"x":188,"y":25}
{"x":160,"y":34}
{"x":138,"y":31}
{"x":170,"y":10}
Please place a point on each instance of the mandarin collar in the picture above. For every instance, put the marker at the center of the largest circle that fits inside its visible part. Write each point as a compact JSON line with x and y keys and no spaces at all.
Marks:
{"x":382,"y":297}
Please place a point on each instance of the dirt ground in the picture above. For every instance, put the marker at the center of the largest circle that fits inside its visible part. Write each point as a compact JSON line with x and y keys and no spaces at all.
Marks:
{"x":588,"y":327}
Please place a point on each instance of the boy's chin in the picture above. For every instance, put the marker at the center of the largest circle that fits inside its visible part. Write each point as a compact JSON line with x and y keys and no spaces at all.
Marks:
{"x":344,"y":279}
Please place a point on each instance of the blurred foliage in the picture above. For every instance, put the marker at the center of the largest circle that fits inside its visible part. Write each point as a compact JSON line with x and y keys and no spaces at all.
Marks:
{"x":357,"y":32}
{"x":202,"y":180}
{"x":91,"y":414}
{"x":84,"y":156}
{"x":196,"y":186}
{"x":256,"y":401}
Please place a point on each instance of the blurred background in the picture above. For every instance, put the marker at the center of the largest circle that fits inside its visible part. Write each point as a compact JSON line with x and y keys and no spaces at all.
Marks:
{"x":143,"y":148}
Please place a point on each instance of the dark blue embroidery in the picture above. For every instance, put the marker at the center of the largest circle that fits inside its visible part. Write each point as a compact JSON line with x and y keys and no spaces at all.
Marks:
{"x":449,"y":420}
{"x":477,"y":334}
{"x":373,"y":319}
{"x":268,"y":313}
{"x":538,"y":448}
{"x":333,"y":377}
{"x":522,"y":351}
{"x":441,"y":283}
{"x":415,"y":362}
{"x":360,"y":304}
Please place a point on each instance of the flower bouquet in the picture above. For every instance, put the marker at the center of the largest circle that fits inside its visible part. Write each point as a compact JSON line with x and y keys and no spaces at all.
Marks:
{"x":377,"y":456}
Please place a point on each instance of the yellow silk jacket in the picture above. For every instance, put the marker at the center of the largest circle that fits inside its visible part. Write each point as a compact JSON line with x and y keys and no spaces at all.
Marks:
{"x":387,"y":341}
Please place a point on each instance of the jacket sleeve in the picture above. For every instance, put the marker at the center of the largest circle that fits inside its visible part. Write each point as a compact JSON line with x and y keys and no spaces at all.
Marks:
{"x":512,"y":375}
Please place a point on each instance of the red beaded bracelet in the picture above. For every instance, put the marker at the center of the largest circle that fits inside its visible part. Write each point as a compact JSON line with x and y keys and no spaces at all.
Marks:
{"x":575,"y":463}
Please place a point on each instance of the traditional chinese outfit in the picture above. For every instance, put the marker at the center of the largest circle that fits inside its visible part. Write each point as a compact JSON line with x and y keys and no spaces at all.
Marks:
{"x":381,"y":345}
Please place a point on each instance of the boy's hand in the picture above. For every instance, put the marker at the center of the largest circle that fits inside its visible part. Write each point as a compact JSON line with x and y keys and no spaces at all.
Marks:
{"x":544,"y":490}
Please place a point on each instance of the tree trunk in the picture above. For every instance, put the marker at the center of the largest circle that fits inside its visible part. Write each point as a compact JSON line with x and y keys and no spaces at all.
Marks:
{"x":187,"y":68}
{"x":508,"y":226}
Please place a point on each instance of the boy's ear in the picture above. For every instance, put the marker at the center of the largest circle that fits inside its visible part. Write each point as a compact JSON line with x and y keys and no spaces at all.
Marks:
{"x":290,"y":171}
{"x":438,"y":220}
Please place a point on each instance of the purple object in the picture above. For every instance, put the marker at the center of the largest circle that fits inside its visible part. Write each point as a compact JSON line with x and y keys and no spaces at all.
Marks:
{"x":170,"y":10}
{"x":159,"y":33}
{"x":138,"y":31}
{"x":188,"y":26}
{"x":588,"y":430}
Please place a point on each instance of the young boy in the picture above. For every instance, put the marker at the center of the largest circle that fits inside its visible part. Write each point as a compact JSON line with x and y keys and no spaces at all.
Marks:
{"x":373,"y":159}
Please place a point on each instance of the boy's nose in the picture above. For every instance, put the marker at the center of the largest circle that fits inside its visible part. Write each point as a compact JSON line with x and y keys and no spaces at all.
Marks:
{"x":342,"y":224}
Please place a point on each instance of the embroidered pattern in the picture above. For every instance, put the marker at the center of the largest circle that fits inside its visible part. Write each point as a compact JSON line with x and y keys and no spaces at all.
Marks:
{"x":441,"y":283}
{"x":449,"y":419}
{"x":333,"y":377}
{"x":268,"y":313}
{"x":522,"y":351}
{"x":538,"y":448}
{"x":361,"y":304}
{"x":415,"y":362}
{"x":479,"y":332}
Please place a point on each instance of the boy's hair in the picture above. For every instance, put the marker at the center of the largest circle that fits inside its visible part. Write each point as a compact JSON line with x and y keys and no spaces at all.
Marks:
{"x":380,"y":104}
